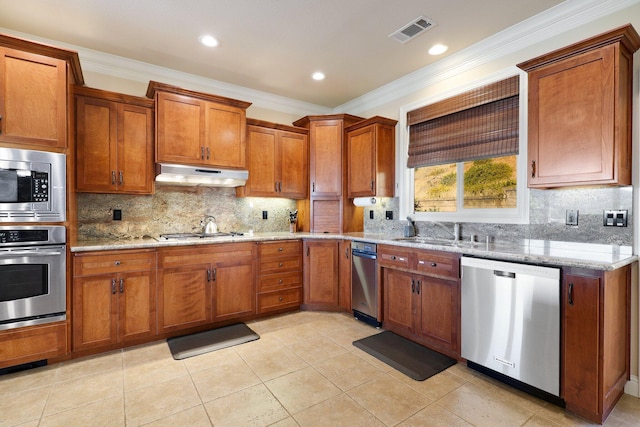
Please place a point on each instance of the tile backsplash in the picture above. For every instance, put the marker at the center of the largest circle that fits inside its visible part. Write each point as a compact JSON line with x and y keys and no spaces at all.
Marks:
{"x":175,"y":209}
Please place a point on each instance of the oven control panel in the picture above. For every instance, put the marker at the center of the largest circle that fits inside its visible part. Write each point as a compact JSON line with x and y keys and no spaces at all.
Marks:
{"x":26,"y":236}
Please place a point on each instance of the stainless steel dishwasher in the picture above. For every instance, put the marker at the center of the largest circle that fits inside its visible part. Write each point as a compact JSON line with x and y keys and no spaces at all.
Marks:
{"x":364,"y":282}
{"x":511,"y":323}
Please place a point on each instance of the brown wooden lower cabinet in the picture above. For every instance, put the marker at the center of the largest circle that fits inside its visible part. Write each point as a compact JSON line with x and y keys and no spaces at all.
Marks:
{"x":202,"y":284}
{"x":114,"y":297}
{"x":25,"y":345}
{"x":422,"y":296}
{"x":280,"y":276}
{"x":595,"y":339}
{"x":321,"y":274}
{"x":344,"y":267}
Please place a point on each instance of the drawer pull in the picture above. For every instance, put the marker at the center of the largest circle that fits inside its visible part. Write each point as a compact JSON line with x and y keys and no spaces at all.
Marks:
{"x":280,"y":264}
{"x":280,"y":249}
{"x":280,"y":299}
{"x":117,"y":263}
{"x":393,"y":257}
{"x":280,"y":281}
{"x":433,"y":264}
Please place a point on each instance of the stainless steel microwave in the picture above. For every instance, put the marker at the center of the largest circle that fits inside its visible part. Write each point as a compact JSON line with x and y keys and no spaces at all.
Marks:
{"x":32,"y":186}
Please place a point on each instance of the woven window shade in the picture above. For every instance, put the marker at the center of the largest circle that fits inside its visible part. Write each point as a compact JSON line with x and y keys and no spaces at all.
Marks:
{"x":477,"y":124}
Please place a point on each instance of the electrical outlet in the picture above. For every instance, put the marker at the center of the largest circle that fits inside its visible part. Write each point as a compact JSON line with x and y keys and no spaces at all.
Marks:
{"x":614,"y":218}
{"x":117,"y":214}
{"x":389,"y":214}
{"x":265,"y":215}
{"x":370,"y":214}
{"x":572,"y":217}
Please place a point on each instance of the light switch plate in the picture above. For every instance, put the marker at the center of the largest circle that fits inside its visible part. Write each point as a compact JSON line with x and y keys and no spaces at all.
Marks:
{"x":614,"y":218}
{"x":572,"y":217}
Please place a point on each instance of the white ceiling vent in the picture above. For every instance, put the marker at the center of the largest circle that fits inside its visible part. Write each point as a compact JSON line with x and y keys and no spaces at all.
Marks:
{"x":413,"y":29}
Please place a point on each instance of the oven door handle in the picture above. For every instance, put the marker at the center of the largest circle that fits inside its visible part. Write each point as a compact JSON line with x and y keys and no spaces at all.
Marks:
{"x":11,"y":254}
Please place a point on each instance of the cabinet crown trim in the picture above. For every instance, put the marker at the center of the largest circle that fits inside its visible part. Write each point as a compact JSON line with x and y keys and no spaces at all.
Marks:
{"x":163,"y":87}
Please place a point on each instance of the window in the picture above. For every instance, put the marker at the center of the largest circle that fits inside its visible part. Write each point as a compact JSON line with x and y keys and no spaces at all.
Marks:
{"x":463,"y":160}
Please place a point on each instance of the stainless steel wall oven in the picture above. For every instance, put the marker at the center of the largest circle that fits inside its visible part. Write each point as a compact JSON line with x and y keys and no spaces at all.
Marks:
{"x":32,"y":275}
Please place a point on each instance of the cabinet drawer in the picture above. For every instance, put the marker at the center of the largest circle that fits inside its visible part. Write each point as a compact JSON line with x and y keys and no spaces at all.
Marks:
{"x":280,"y":249}
{"x":393,"y":257}
{"x":270,"y":301}
{"x":275,"y":282}
{"x":437,"y":263}
{"x":86,"y":264}
{"x":24,"y":345}
{"x":214,"y":253}
{"x":274,"y":265}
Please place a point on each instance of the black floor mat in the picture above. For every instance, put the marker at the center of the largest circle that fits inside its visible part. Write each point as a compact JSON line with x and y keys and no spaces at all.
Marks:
{"x":411,"y":359}
{"x":207,"y":341}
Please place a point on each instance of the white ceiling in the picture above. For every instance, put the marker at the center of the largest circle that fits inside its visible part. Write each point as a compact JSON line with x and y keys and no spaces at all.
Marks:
{"x":272,"y":45}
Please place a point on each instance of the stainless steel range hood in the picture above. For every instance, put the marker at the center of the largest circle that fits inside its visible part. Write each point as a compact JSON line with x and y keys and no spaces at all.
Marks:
{"x":170,"y":174}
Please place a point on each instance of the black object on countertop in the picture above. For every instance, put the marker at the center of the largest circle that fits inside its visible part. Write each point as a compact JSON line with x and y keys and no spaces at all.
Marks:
{"x":212,"y":340}
{"x":406,"y":356}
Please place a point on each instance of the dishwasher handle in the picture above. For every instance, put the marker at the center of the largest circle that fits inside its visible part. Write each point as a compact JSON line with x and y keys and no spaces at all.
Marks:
{"x":367,"y":255}
{"x":507,"y":274}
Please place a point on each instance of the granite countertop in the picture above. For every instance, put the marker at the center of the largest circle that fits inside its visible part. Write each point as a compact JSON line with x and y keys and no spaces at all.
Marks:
{"x":544,"y":252}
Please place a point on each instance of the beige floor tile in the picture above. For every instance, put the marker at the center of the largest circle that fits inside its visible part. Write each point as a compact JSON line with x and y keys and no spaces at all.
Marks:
{"x":434,"y":415}
{"x":255,"y":406}
{"x":27,"y":380}
{"x":105,"y":362}
{"x":210,"y":359}
{"x":347,"y":370}
{"x":317,"y":349}
{"x":106,"y":413}
{"x":539,"y":421}
{"x":347,"y":336}
{"x":267,"y":342}
{"x":82,"y":391}
{"x":141,"y":354}
{"x":23,"y":406}
{"x":287,"y":422}
{"x":153,"y":372}
{"x":295,"y":334}
{"x":434,"y":387}
{"x":372,"y":360}
{"x":160,"y":400}
{"x":302,"y":389}
{"x":460,"y":369}
{"x":224,"y":379}
{"x":389,"y":399}
{"x":337,"y":411}
{"x":274,"y":363}
{"x":482,"y":407}
{"x":192,"y":417}
{"x":558,"y":416}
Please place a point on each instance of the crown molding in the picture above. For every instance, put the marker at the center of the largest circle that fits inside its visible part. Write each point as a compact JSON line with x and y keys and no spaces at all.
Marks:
{"x":129,"y":69}
{"x":544,"y":26}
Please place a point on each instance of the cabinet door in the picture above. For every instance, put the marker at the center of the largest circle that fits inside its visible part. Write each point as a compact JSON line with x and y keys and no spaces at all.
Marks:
{"x":293,"y":180}
{"x":184,"y":297}
{"x":33,"y":99}
{"x":399,"y":310}
{"x":234,"y":290}
{"x":321,"y":273}
{"x":581,"y":343}
{"x":438,"y":311}
{"x":571,"y":120}
{"x":325,"y":156}
{"x":137,"y":305}
{"x":262,"y":148}
{"x":225,"y":136}
{"x":361,"y":158}
{"x":344,"y":263}
{"x":135,"y":149}
{"x":96,"y":132}
{"x":95,"y":311}
{"x":179,"y":129}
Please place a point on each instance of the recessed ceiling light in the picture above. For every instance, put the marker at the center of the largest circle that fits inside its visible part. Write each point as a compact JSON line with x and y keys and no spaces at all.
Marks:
{"x":318,"y":75}
{"x":438,"y":49}
{"x":209,"y":41}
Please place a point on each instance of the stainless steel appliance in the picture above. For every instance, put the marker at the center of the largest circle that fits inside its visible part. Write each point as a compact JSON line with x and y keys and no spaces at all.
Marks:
{"x":198,"y":175}
{"x":364,"y":282}
{"x":511,"y":323}
{"x":32,"y":275}
{"x":32,"y":186}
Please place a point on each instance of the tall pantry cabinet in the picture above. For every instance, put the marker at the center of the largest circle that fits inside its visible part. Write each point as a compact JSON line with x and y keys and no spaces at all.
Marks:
{"x":327,"y":209}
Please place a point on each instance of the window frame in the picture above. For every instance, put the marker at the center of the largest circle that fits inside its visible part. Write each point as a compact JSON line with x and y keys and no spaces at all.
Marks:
{"x":405,"y":175}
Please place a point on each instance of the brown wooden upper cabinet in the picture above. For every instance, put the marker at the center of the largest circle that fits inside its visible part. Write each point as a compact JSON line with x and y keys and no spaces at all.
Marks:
{"x":277,"y":160}
{"x":197,"y":128}
{"x":114,"y":142}
{"x":34,"y":83}
{"x":371,"y":158}
{"x":580,"y":112}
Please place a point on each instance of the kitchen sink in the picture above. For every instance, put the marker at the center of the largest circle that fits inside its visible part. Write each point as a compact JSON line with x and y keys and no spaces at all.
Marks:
{"x":438,"y":242}
{"x":179,"y":236}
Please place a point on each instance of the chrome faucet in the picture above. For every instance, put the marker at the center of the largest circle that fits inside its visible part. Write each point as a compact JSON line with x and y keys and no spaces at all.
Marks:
{"x":456,"y":229}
